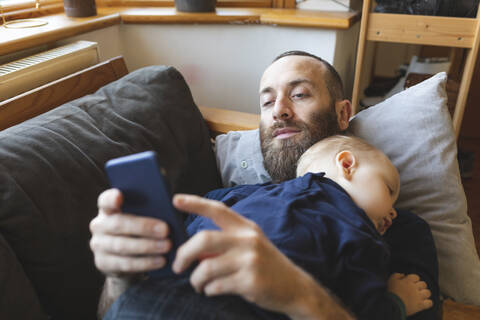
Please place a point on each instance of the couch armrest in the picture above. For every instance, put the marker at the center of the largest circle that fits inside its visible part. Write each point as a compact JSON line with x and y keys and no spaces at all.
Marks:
{"x":222,"y":120}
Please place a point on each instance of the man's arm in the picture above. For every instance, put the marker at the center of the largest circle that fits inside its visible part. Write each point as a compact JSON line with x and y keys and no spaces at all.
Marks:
{"x":316,"y":302}
{"x":239,"y":259}
{"x":112,"y":289}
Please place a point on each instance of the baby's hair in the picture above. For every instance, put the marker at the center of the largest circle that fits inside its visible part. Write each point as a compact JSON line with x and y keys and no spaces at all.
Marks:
{"x":331,"y":146}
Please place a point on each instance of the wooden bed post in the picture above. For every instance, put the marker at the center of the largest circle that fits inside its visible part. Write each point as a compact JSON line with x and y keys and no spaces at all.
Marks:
{"x":360,"y":55}
{"x":466,"y":79}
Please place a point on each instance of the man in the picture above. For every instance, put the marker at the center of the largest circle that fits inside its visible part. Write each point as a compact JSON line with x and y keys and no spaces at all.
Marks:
{"x":301,"y":99}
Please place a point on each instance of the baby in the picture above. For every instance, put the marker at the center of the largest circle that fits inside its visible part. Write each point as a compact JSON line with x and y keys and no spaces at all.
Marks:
{"x":373,"y":183}
{"x":363,"y":171}
{"x":330,"y":221}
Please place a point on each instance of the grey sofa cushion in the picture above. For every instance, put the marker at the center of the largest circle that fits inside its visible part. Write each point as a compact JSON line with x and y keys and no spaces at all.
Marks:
{"x":18,"y":299}
{"x":52,"y":170}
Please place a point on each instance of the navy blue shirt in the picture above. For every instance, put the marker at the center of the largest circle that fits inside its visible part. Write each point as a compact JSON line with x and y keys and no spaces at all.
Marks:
{"x":315,"y":223}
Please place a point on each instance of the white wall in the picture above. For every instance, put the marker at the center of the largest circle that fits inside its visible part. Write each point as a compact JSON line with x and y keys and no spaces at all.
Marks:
{"x":223,"y":63}
{"x":109,"y":41}
{"x":346,"y":55}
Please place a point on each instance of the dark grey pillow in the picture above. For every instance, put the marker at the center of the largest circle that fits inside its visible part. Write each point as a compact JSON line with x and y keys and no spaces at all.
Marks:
{"x":52,"y":170}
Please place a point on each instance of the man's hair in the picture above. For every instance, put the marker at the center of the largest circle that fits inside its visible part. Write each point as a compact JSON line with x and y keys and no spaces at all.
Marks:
{"x":332,"y":79}
{"x":331,"y":146}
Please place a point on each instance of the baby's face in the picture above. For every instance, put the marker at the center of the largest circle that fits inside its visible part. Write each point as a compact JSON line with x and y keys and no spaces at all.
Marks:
{"x":374,"y":188}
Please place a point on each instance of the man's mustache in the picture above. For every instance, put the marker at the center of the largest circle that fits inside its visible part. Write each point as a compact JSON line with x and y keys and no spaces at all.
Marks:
{"x":284,"y":124}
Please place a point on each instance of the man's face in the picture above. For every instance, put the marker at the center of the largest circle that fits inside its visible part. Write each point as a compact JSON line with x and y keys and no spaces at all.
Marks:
{"x":296,"y":112}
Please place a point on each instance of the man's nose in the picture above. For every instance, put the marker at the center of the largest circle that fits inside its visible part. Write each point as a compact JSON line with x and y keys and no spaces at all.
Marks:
{"x":282,"y":109}
{"x":393,"y":213}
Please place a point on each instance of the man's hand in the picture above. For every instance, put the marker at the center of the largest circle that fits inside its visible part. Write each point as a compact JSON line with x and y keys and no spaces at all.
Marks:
{"x":413,"y":292}
{"x":239,"y":259}
{"x":125,"y":244}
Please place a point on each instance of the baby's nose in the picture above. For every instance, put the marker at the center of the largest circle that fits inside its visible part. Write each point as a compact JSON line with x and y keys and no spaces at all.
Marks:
{"x":393,"y":213}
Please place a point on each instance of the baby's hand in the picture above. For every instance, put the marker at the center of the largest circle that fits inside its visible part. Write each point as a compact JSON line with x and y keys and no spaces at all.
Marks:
{"x":412,"y":291}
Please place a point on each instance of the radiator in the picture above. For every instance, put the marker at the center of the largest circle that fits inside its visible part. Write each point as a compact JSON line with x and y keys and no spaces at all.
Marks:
{"x":25,"y":74}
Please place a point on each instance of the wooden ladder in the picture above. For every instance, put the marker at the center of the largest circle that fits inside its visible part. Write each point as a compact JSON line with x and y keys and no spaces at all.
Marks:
{"x":424,"y":30}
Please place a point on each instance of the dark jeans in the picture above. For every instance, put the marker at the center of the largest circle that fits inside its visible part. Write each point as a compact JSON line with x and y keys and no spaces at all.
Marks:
{"x":176,"y":299}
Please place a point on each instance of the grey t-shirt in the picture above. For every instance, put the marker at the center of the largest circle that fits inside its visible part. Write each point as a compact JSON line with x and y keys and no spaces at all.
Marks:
{"x":239,"y":158}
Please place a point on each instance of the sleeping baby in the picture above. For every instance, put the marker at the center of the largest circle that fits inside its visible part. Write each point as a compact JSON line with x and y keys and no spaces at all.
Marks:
{"x":330,"y":221}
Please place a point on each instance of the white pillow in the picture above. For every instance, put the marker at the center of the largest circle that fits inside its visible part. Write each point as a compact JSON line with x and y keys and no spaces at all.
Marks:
{"x":415,"y":130}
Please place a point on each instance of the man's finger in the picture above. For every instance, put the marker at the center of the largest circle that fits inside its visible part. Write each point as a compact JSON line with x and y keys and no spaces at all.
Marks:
{"x":224,"y":217}
{"x":230,"y":284}
{"x":129,"y":225}
{"x":202,"y":244}
{"x":110,"y":201}
{"x":120,"y":245}
{"x":119,"y":264}
{"x":213,"y":268}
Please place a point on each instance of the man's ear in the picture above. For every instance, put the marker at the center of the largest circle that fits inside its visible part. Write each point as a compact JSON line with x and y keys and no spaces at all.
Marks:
{"x":343,"y":110}
{"x":346,"y":164}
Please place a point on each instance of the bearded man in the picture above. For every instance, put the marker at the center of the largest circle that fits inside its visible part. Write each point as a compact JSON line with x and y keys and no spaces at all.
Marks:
{"x":301,"y":102}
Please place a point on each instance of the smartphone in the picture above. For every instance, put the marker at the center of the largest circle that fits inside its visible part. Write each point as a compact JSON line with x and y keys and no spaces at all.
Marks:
{"x":145,"y":192}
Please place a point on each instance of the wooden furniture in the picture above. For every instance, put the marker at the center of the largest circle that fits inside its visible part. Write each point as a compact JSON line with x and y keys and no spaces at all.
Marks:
{"x":56,"y":93}
{"x":49,"y":96}
{"x":451,"y":88}
{"x":426,"y":30}
{"x":78,"y":84}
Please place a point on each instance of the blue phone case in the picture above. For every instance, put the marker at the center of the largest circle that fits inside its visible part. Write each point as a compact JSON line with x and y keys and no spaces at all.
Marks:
{"x":146,"y":193}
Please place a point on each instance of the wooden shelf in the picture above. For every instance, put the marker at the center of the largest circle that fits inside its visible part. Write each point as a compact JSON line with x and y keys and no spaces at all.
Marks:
{"x":170,"y":3}
{"x":283,"y":17}
{"x":309,"y":18}
{"x":170,"y":15}
{"x":60,"y":26}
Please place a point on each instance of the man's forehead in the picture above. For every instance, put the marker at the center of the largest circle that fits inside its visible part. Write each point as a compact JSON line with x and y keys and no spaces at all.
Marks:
{"x":290,"y":67}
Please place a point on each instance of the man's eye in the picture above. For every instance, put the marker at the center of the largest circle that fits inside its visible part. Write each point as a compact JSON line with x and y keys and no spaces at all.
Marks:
{"x":267,"y":103}
{"x":299,"y":95}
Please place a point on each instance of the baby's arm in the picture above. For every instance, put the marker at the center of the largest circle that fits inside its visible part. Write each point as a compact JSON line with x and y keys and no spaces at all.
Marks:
{"x":412,"y":291}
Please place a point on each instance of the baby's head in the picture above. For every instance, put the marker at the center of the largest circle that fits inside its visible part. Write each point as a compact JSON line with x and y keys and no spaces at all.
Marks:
{"x":365,"y":173}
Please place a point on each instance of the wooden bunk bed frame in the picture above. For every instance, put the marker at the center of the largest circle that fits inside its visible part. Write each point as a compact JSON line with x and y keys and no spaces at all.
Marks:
{"x":424,"y":30}
{"x":87,"y":81}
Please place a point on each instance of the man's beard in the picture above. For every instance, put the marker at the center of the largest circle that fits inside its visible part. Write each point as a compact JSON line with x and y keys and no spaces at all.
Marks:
{"x":280,"y":156}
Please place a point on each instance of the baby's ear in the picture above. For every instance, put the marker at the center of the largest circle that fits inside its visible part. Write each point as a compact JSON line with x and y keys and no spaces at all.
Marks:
{"x":346,"y":163}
